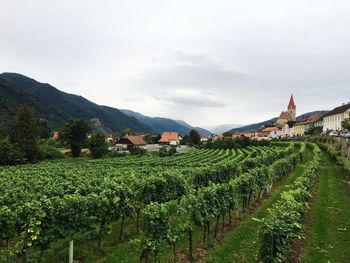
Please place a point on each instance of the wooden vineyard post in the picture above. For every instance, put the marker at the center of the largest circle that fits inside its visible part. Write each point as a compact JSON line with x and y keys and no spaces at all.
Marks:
{"x":71,"y":247}
{"x":8,"y":251}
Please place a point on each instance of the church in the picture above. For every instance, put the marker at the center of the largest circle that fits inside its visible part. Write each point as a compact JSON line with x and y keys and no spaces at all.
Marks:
{"x":289,"y":115}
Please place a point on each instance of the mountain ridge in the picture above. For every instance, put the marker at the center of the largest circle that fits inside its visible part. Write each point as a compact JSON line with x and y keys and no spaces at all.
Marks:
{"x":56,"y":106}
{"x":161,"y":124}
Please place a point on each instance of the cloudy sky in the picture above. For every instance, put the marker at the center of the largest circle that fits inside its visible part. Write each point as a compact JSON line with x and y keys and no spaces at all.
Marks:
{"x":206,"y":62}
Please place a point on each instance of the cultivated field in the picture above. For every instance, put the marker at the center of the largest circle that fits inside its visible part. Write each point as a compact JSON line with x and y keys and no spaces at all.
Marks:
{"x":203,"y":205}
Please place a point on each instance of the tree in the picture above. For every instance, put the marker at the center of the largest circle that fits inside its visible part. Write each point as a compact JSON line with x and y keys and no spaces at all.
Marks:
{"x":26,"y":133}
{"x":346,"y":124}
{"x":227,"y":134}
{"x":98,"y":145}
{"x":127,"y":131}
{"x":151,"y":139}
{"x":195,"y":138}
{"x":135,"y":150}
{"x":74,"y":134}
{"x":185,"y":140}
{"x":44,"y":129}
{"x":9,"y":153}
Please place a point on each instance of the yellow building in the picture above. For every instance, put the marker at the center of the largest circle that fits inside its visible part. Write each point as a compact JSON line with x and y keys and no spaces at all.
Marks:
{"x":307,"y":124}
{"x":299,"y":129}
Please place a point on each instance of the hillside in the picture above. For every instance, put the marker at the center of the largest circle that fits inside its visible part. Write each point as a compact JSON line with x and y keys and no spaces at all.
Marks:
{"x":58,"y":107}
{"x":255,"y":126}
{"x":223,"y":127}
{"x":160,"y":125}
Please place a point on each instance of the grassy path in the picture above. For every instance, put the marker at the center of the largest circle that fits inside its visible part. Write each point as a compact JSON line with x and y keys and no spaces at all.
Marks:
{"x":242,"y":245}
{"x":328,"y":236}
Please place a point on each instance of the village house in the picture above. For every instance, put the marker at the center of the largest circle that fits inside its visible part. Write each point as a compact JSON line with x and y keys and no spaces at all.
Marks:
{"x":250,"y":135}
{"x":299,"y":129}
{"x":170,"y":138}
{"x":307,"y":124}
{"x":268,"y":133}
{"x":215,"y":137}
{"x":204,"y":138}
{"x":110,"y":138}
{"x":288,"y":129}
{"x":130,"y":141}
{"x":332,"y":121}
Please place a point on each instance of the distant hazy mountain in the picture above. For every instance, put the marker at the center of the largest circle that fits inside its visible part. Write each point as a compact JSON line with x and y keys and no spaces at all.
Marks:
{"x":164,"y":124}
{"x":201,"y":130}
{"x":57,"y":107}
{"x":223,"y":128}
{"x":253,"y":127}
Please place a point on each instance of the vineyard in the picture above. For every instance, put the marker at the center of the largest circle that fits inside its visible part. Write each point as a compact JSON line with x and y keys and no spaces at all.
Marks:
{"x":152,"y":209}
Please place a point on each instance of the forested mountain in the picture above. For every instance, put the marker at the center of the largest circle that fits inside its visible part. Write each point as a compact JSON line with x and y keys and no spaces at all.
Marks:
{"x":57,"y":107}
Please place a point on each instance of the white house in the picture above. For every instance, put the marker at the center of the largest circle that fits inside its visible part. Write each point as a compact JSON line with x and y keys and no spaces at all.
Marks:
{"x":288,"y":129}
{"x":170,"y":138}
{"x":332,"y":121}
{"x":204,"y":138}
{"x":275,"y":134}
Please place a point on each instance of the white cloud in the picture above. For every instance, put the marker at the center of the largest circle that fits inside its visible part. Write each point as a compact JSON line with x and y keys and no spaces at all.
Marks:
{"x":238,"y":61}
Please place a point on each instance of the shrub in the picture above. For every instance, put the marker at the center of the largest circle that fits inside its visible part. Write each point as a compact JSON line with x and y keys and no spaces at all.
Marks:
{"x":48,"y":151}
{"x":10,"y":153}
{"x":163,"y":151}
{"x":172,"y":151}
{"x":137,"y":151}
{"x":98,"y":145}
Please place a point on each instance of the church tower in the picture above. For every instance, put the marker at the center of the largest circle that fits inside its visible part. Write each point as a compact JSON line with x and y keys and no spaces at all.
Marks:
{"x":292,"y":108}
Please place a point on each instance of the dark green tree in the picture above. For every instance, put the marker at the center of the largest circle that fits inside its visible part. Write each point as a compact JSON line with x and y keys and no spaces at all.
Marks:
{"x":195,"y":138}
{"x":26,"y":133}
{"x":9,"y":153}
{"x":227,"y":134}
{"x":97,"y":145}
{"x":74,"y":133}
{"x":44,"y":129}
{"x":346,"y":124}
{"x":127,"y":131}
{"x":185,"y":140}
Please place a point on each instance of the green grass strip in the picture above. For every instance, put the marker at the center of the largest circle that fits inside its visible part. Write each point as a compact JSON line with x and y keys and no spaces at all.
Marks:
{"x":242,"y":244}
{"x":328,"y":238}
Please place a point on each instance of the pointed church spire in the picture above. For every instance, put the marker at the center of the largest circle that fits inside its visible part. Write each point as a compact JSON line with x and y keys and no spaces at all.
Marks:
{"x":291,"y":104}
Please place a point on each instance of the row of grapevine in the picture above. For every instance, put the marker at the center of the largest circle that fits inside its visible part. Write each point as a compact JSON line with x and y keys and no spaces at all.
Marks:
{"x":167,"y":222}
{"x":284,"y":221}
{"x":45,"y":207}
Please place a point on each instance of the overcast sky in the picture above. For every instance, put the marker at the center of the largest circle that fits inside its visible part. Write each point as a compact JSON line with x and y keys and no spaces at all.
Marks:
{"x":205,"y":62}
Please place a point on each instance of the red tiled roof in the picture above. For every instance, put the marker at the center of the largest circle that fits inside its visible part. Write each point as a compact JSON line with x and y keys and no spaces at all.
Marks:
{"x":269,"y":129}
{"x":291,"y":103}
{"x":249,"y":134}
{"x":285,"y":116}
{"x":135,"y":139}
{"x":169,"y":136}
{"x":310,"y":119}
